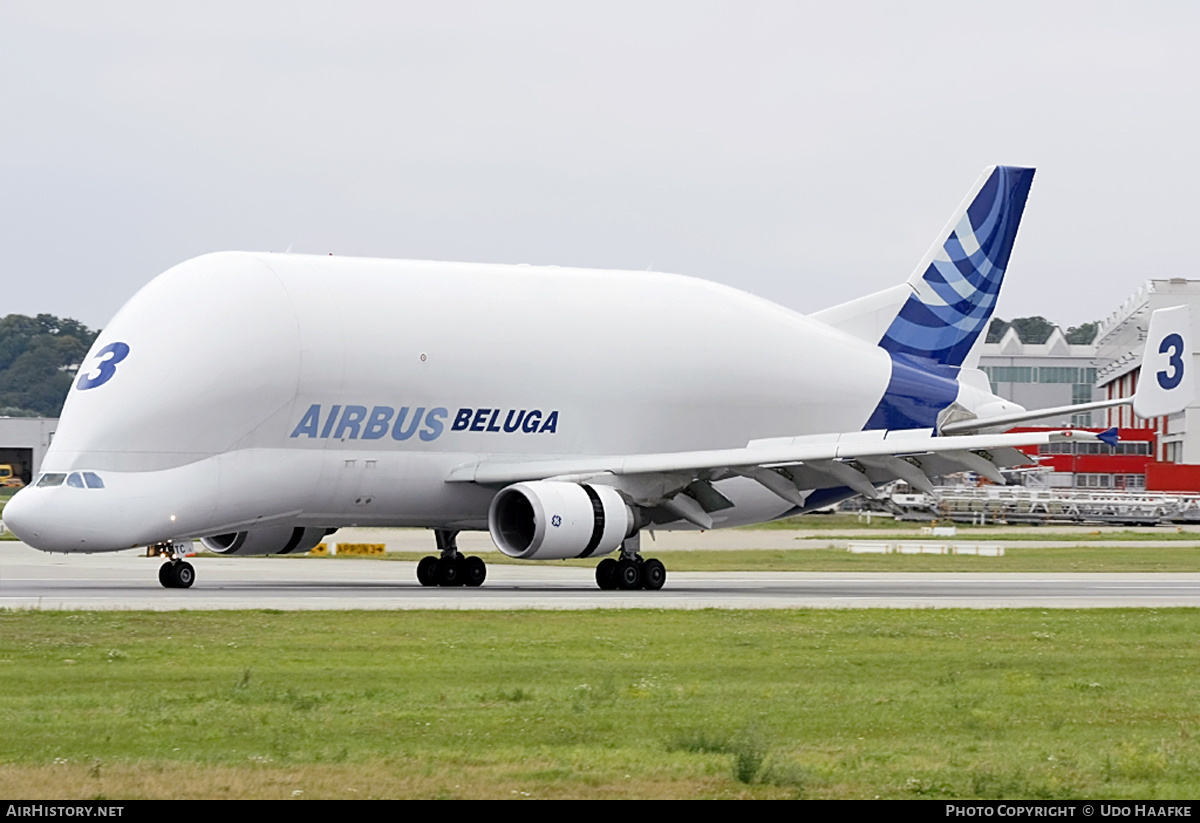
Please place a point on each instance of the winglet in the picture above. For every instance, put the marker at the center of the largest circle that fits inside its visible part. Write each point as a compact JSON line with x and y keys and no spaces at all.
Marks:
{"x":1108,"y":436}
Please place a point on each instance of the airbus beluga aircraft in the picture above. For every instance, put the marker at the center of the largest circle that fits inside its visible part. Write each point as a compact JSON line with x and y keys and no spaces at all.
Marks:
{"x":258,"y":402}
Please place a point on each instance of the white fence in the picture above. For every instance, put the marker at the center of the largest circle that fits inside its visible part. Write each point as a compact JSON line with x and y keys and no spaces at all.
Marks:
{"x":1021,"y":504}
{"x":874,"y":547}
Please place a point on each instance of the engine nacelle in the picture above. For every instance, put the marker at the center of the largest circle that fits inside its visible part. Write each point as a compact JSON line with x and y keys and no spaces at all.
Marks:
{"x":552,"y":520}
{"x":270,"y":540}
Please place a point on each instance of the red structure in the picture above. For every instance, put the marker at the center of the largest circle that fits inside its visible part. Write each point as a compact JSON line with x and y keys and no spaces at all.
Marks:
{"x":1130,"y":466}
{"x":1173,"y":477}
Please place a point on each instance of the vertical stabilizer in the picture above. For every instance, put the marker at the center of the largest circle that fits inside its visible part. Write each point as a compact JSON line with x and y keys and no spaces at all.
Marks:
{"x":940,"y":312}
{"x":954,"y":290}
{"x":930,"y":324}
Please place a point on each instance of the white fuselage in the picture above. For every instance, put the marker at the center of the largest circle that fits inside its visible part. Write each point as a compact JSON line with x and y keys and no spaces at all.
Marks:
{"x":262,"y":389}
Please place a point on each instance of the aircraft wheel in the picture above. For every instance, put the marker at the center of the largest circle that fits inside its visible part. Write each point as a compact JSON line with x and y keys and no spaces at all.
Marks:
{"x":654,"y":574}
{"x":425,"y":571}
{"x":606,"y":574}
{"x":474,"y":571}
{"x":629,"y":575}
{"x":449,"y":572}
{"x":183,"y":574}
{"x":166,"y":576}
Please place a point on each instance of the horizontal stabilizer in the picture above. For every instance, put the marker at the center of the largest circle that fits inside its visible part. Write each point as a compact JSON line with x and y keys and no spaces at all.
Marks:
{"x":1000,"y":422}
{"x":1164,"y":387}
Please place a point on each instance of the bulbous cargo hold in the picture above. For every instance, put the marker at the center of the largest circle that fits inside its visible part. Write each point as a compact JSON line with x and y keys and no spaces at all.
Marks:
{"x":191,"y":367}
{"x":351,"y":352}
{"x":553,"y":520}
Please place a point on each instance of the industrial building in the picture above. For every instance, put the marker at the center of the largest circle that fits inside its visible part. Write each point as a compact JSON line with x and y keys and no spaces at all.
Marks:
{"x":1042,"y":375}
{"x":23,"y":443}
{"x":1119,"y":348}
{"x":1158,"y":454}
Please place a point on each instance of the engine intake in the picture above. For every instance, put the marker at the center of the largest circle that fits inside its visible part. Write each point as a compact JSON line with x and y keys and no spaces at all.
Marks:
{"x":552,"y":520}
{"x":271,"y":540}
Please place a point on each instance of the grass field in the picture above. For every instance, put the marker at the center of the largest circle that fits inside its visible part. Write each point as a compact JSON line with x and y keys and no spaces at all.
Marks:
{"x":897,"y":704}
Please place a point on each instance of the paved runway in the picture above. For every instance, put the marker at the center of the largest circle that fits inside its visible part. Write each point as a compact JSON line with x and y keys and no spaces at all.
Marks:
{"x":128,"y":580}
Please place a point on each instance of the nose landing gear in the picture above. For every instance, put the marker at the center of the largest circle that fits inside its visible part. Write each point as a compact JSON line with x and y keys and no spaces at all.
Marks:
{"x":176,"y":573}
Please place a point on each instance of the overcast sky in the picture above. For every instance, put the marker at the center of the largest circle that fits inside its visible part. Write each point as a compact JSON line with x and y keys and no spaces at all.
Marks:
{"x":805,"y":152}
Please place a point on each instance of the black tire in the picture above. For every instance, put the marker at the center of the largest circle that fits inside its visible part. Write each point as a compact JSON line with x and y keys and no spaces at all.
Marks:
{"x":629,"y":575}
{"x":654,"y":574}
{"x":606,"y":574}
{"x":166,"y":576}
{"x":474,"y":571}
{"x":184,"y":575}
{"x":425,"y":570}
{"x":448,"y":572}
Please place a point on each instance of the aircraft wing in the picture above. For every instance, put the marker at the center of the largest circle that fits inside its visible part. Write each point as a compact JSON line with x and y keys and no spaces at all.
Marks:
{"x":681,"y":482}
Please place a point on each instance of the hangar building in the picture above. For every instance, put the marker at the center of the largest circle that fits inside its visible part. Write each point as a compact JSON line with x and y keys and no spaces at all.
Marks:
{"x":23,"y":443}
{"x":1042,"y":375}
{"x":1160,"y":454}
{"x":1119,"y":347}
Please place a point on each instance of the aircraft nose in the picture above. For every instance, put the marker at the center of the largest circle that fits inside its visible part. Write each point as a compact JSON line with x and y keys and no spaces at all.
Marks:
{"x":44,"y":520}
{"x":19,"y":517}
{"x":82,"y":514}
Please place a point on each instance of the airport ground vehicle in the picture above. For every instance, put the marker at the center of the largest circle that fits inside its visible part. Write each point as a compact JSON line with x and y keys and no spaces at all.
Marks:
{"x":9,"y":478}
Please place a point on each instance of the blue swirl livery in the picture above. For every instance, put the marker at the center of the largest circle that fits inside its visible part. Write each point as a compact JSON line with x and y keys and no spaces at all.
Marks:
{"x":952,"y":295}
{"x":954,"y":290}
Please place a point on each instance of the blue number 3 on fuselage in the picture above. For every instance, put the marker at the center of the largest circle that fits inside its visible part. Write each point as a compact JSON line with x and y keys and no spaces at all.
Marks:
{"x":109,"y":357}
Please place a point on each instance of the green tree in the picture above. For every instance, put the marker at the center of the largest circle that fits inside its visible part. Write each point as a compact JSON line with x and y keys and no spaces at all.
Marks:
{"x":1033,"y":329}
{"x":996,"y":330}
{"x":1084,"y":334}
{"x":38,"y":359}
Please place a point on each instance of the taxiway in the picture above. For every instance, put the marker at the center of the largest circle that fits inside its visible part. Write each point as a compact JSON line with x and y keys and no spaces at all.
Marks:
{"x":128,"y":580}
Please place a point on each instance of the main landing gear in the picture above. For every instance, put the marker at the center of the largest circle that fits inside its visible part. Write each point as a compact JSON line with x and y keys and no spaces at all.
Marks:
{"x":631,"y":571}
{"x":176,"y":573}
{"x":452,"y":568}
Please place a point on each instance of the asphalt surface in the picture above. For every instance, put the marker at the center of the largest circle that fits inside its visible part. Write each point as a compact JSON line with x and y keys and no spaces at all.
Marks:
{"x":129,"y":580}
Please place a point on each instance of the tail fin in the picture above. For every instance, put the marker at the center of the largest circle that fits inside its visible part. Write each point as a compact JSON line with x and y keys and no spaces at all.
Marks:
{"x":956,"y":286}
{"x":939,"y":314}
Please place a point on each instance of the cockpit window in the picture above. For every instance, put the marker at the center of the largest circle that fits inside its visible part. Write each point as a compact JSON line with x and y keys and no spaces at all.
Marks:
{"x":74,"y":480}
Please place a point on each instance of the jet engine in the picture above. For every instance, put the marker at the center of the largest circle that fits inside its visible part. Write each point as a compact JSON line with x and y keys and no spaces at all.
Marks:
{"x":552,"y":520}
{"x":270,"y":540}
